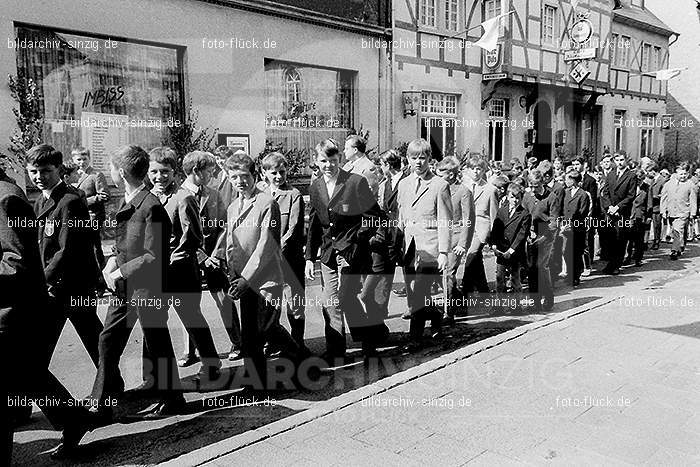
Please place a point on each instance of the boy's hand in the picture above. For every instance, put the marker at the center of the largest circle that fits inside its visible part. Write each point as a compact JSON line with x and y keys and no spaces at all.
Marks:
{"x":238,"y":286}
{"x":212,"y":262}
{"x":442,"y":261}
{"x":102,"y":196}
{"x":459,"y":250}
{"x":309,"y":270}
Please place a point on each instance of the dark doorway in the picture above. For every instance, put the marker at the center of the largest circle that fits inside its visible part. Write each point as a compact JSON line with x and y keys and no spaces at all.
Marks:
{"x":542,"y":149}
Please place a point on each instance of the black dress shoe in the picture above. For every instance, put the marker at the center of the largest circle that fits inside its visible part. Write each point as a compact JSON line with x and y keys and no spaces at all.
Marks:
{"x":167,"y":408}
{"x":208,"y":374}
{"x":73,"y":433}
{"x":412,"y":347}
{"x":400,"y":292}
{"x":187,"y":360}
{"x":673,"y":256}
{"x":655,"y":245}
{"x":638,"y":263}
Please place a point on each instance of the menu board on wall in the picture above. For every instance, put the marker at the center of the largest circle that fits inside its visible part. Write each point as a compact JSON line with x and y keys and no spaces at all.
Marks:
{"x":102,"y":134}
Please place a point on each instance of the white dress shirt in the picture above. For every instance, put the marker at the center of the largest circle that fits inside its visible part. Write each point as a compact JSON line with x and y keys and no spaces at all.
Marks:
{"x":330,"y":184}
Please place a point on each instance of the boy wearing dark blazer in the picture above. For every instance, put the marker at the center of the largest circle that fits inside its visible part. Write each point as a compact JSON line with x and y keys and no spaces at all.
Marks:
{"x":66,"y":250}
{"x":642,"y":210}
{"x":182,"y":279}
{"x":137,"y":273}
{"x":616,"y":198}
{"x":577,"y":206}
{"x":343,"y":220}
{"x":23,"y":303}
{"x":510,"y":231}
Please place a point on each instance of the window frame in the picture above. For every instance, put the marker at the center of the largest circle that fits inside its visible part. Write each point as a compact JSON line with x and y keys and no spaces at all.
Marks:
{"x":448,"y":11}
{"x":495,"y":122}
{"x":423,"y":6}
{"x":619,"y":129}
{"x":554,"y":26}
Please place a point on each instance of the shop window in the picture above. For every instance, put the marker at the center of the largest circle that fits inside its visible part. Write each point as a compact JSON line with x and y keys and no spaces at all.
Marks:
{"x":438,"y":112}
{"x":102,"y":97}
{"x":306,"y":104}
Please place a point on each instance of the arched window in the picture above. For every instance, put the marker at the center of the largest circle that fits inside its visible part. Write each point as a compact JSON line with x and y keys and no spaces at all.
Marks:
{"x":292,"y":81}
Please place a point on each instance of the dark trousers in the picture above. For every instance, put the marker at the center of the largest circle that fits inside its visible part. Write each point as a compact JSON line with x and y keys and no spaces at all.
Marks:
{"x":556,"y":260}
{"x":418,"y":283}
{"x":97,"y":239}
{"x":658,"y":221}
{"x":574,"y":249}
{"x":84,"y":319}
{"x":637,"y":239}
{"x":606,"y":237}
{"x":618,"y":243}
{"x":474,"y":279}
{"x":260,"y":312}
{"x":183,"y":284}
{"x":589,"y":251}
{"x":294,"y":297}
{"x":539,"y":277}
{"x":151,"y":311}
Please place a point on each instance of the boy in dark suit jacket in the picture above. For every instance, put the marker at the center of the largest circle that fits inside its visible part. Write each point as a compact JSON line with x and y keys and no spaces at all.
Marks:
{"x":510,"y":231}
{"x":642,"y":210}
{"x":292,"y":240}
{"x":182,"y":280}
{"x":137,"y":273}
{"x":616,"y":198}
{"x":66,"y":250}
{"x":343,"y":219}
{"x":577,"y":206}
{"x":23,"y":303}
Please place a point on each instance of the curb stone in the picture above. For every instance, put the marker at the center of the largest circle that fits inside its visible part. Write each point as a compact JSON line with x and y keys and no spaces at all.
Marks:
{"x":321,"y":409}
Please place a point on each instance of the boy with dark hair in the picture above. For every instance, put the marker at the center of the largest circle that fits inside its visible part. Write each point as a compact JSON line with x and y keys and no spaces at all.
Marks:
{"x":66,"y":249}
{"x":136,"y":273}
{"x":642,"y":209}
{"x":510,"y":231}
{"x":182,"y":279}
{"x":291,"y":206}
{"x":577,"y":207}
{"x":198,"y":167}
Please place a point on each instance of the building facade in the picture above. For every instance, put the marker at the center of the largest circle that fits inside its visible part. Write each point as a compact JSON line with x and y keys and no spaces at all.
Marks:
{"x":555,"y":84}
{"x":112,"y":73}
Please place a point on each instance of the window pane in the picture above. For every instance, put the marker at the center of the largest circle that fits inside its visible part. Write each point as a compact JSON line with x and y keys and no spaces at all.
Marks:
{"x":436,"y":137}
{"x":102,"y":97}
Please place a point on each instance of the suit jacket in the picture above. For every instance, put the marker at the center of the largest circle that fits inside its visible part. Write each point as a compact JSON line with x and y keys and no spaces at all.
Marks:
{"x":425,"y":216}
{"x":291,"y":206}
{"x":186,"y":235}
{"x":642,"y":208}
{"x":22,"y":281}
{"x":92,"y":181}
{"x":221,"y":184}
{"x":345,"y":222}
{"x":365,"y":167}
{"x":65,"y":242}
{"x":589,"y":184}
{"x":577,"y":209}
{"x":679,"y":199}
{"x":486,"y":210}
{"x":511,"y":232}
{"x":545,"y":210}
{"x":142,"y":239}
{"x":390,"y":231}
{"x":463,"y":215}
{"x":212,"y":213}
{"x":655,"y":193}
{"x":251,"y":242}
{"x":619,"y":192}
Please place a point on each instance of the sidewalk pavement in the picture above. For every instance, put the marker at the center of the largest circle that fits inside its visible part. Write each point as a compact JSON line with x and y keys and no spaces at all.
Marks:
{"x":616,"y":385}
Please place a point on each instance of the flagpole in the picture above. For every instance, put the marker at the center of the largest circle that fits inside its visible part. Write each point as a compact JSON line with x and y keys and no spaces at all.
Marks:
{"x":653,"y":73}
{"x":477,"y":26}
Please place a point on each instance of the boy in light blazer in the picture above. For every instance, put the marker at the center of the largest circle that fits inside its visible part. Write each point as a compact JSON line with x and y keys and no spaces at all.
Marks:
{"x":463,"y":221}
{"x":182,"y":279}
{"x":425,"y":215}
{"x":250,"y":246}
{"x":291,"y":205}
{"x":94,"y":184}
{"x":486,"y":209}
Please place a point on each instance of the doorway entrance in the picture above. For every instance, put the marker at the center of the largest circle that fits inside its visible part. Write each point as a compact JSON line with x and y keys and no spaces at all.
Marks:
{"x":542,"y":149}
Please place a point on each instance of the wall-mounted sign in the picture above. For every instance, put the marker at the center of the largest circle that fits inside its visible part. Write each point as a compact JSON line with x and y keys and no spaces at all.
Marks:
{"x":580,"y":72}
{"x":492,"y":76}
{"x":101,"y":134}
{"x":235,"y":141}
{"x":492,"y":58}
{"x":581,"y":31}
{"x":579,"y":54}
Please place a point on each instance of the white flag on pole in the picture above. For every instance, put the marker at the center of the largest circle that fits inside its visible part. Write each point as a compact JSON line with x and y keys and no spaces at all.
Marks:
{"x":665,"y":75}
{"x":489,"y":40}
